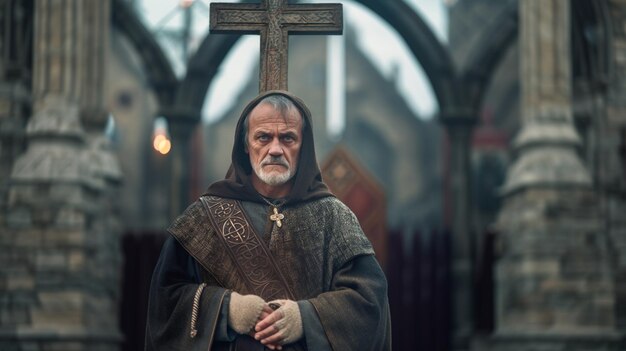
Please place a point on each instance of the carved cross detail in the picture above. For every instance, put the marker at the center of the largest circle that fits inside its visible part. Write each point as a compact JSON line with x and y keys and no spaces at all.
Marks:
{"x":274,"y":20}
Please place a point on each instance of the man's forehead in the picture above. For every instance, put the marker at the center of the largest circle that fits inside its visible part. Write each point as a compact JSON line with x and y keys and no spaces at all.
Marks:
{"x":266,"y":113}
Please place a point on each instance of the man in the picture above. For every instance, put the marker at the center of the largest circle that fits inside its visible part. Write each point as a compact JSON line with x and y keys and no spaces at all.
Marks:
{"x":268,"y":257}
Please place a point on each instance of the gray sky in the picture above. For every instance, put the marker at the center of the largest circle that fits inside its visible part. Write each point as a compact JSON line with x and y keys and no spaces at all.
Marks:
{"x":381,"y":44}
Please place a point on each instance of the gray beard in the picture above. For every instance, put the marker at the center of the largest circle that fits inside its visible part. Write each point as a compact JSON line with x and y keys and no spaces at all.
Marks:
{"x":273,"y":179}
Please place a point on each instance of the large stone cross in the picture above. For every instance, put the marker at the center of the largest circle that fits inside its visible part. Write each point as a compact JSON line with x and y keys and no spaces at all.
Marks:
{"x":274,"y":20}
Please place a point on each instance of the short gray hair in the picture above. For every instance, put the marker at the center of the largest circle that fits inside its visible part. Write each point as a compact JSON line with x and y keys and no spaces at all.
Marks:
{"x":280,"y":103}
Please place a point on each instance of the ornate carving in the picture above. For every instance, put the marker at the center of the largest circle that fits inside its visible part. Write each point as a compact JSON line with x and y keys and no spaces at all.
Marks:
{"x":249,"y":254}
{"x":274,"y":20}
{"x":242,"y":18}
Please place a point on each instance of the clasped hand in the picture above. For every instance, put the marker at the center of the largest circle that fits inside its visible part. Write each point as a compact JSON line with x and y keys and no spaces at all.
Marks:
{"x":273,"y":324}
{"x":266,"y":330}
{"x":280,"y":323}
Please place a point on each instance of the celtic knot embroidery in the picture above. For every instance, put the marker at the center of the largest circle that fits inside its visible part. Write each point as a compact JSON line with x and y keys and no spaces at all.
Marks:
{"x":246,"y":249}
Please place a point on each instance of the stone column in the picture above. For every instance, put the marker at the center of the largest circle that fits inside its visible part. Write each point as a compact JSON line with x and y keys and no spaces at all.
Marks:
{"x":59,"y":269}
{"x":181,"y":125}
{"x":553,"y":285}
{"x":459,"y":128}
{"x":104,"y":168}
{"x":16,"y":23}
{"x":14,"y":102}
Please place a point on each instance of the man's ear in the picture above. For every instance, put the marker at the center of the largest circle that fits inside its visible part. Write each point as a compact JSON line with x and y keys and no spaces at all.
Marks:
{"x":245,"y":148}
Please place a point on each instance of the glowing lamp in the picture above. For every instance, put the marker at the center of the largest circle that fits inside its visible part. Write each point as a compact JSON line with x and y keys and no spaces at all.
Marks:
{"x":160,"y":139}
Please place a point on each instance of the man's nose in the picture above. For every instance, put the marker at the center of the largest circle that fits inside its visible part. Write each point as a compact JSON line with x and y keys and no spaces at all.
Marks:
{"x":275,"y":148}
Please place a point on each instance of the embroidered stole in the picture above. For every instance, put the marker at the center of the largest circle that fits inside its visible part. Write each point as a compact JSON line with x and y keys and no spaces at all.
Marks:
{"x":251,"y":256}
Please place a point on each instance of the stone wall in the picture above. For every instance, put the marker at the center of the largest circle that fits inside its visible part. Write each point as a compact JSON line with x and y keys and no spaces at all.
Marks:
{"x":555,"y":288}
{"x":554,"y":282}
{"x":59,"y":245}
{"x":59,"y":255}
{"x":16,"y":27}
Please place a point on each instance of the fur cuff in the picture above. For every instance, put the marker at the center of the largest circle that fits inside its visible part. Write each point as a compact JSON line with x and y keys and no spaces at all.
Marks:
{"x":291,"y":323}
{"x":244,"y":311}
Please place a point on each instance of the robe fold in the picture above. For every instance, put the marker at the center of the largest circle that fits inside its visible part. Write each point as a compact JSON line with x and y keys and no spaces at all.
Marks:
{"x":322,"y":253}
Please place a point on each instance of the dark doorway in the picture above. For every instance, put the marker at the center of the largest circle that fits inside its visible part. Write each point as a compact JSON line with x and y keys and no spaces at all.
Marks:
{"x":141,"y":252}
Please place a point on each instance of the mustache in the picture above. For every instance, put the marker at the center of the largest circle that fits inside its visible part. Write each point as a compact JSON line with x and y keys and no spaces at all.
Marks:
{"x":275,"y":160}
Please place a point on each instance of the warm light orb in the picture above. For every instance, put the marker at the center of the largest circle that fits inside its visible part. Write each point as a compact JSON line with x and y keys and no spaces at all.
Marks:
{"x":164,"y":146}
{"x":160,"y":140}
{"x":157,"y":141}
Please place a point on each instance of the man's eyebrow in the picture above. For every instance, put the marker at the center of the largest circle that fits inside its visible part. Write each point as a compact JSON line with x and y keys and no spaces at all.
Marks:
{"x":288,"y":133}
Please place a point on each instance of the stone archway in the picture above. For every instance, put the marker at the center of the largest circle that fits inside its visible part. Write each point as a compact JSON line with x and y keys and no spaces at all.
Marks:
{"x":158,"y":69}
{"x":201,"y":70}
{"x":448,"y":81}
{"x":185,"y":98}
{"x":486,"y":55}
{"x":431,"y":54}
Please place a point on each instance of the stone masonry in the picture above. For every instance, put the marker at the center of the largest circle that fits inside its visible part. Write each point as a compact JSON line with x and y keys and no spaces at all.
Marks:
{"x":59,"y":254}
{"x":554,"y":288}
{"x":16,"y":24}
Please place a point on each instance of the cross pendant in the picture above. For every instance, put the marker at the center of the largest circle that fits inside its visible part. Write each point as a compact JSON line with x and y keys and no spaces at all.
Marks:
{"x":277,"y":217}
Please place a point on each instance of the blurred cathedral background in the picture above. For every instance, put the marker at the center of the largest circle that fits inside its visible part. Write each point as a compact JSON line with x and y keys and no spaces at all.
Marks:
{"x":500,"y":220}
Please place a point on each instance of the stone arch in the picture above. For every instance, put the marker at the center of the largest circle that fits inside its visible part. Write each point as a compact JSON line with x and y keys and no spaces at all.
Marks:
{"x":158,"y":69}
{"x":481,"y":63}
{"x":187,"y":97}
{"x":432,"y":55}
{"x":497,"y":38}
{"x":429,"y":51}
{"x":202,"y":68}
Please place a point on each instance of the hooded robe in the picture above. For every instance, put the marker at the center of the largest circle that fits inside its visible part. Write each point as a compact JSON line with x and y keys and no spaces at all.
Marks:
{"x":324,"y":258}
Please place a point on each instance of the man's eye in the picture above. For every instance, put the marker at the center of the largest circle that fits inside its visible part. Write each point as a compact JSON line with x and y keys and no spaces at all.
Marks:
{"x":288,"y":138}
{"x":263,"y":138}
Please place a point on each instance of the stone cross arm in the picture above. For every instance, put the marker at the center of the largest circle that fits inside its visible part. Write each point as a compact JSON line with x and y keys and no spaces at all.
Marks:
{"x":274,"y":20}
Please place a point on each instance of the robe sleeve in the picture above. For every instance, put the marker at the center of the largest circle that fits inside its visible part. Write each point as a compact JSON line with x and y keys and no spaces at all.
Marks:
{"x":172,"y":290}
{"x":354,"y":313}
{"x":314,"y":335}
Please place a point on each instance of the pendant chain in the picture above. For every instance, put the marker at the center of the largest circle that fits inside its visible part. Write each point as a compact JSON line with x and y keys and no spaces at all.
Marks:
{"x":275,"y":216}
{"x":277,"y":205}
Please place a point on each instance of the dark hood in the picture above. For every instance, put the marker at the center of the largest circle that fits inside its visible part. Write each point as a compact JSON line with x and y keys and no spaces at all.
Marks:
{"x":308,"y":184}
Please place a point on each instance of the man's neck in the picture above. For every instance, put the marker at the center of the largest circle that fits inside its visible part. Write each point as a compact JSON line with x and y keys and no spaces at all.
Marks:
{"x":271,"y":191}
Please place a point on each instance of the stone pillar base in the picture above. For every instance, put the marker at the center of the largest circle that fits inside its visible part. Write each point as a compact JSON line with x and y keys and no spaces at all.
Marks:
{"x":571,"y":341}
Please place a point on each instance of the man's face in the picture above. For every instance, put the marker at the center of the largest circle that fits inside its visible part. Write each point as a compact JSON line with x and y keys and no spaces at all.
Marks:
{"x":274,"y":144}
